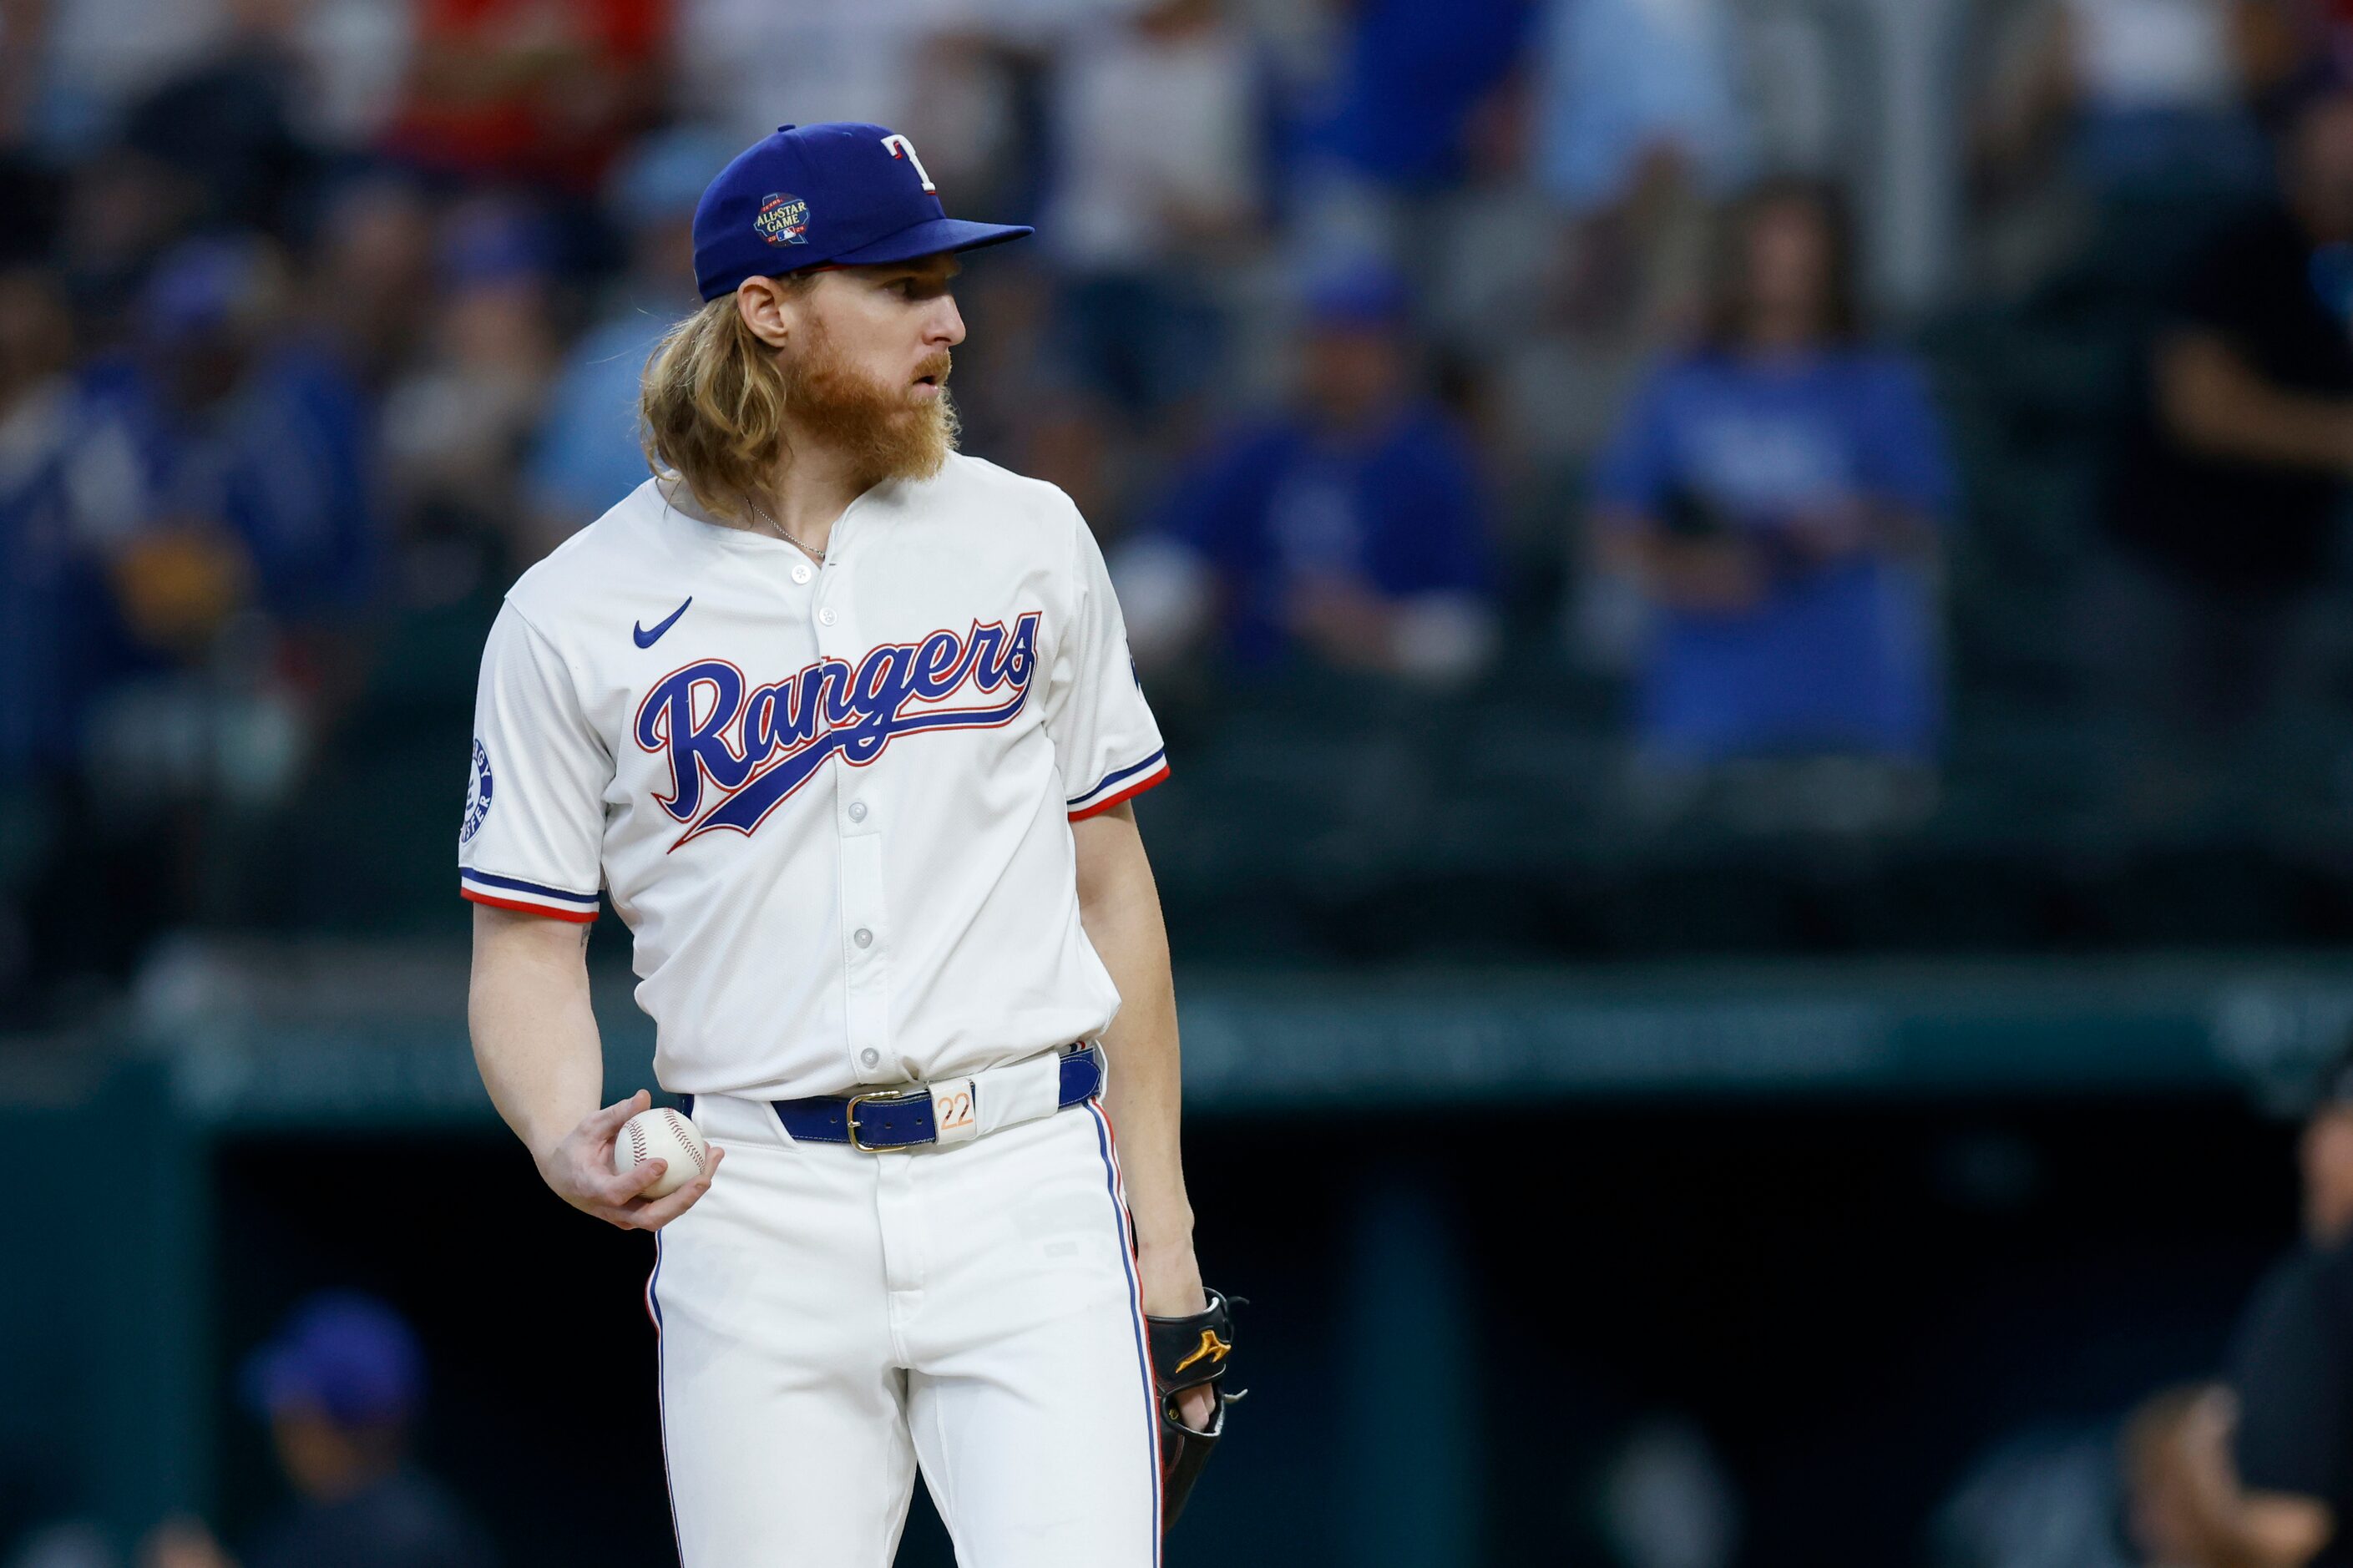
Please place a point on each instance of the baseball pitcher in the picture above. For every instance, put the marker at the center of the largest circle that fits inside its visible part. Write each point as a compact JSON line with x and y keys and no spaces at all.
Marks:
{"x":844,"y":724}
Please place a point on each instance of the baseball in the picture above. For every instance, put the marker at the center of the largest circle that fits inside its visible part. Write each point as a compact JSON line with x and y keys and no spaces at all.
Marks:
{"x":660,"y":1133}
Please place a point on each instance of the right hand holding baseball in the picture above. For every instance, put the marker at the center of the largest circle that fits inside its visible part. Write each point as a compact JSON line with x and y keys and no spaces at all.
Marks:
{"x":579,"y":1169}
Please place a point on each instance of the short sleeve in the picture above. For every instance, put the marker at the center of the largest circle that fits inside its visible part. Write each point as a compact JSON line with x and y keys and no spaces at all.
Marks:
{"x":1104,"y":736}
{"x":2289,"y":1375}
{"x":534,"y":831}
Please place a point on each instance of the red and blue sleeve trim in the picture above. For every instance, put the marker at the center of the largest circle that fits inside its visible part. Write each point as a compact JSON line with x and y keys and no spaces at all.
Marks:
{"x":1125,"y":784}
{"x":531,"y":898}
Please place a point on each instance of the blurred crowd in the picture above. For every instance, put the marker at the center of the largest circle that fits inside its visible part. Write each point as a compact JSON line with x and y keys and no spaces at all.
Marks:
{"x":2251,"y":1468}
{"x":1520,"y":359}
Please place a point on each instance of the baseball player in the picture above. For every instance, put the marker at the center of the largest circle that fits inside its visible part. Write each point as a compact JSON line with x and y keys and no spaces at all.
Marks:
{"x":844,"y":724}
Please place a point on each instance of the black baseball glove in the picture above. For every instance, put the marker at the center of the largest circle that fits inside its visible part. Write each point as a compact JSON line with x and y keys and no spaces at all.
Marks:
{"x":1190,"y":1352}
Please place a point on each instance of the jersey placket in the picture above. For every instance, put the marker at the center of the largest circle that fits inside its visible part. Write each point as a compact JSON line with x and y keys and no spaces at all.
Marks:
{"x":865,"y":944}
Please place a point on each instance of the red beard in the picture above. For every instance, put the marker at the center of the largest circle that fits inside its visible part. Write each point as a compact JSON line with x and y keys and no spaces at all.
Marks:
{"x":884,"y":432}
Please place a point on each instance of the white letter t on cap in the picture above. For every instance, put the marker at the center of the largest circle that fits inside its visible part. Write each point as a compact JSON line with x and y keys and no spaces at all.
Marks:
{"x":902,"y":148}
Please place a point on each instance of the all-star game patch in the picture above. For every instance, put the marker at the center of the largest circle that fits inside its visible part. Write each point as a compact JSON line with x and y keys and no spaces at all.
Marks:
{"x":783,"y":219}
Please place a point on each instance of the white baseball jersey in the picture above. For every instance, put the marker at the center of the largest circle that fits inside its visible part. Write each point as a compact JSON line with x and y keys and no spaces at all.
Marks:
{"x":830,"y":803}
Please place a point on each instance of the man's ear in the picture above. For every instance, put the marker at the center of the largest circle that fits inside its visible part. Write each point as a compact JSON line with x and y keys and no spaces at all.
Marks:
{"x":764,"y":305}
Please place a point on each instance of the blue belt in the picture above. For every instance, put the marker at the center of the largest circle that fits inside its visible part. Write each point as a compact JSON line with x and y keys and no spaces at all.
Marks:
{"x":886,"y":1118}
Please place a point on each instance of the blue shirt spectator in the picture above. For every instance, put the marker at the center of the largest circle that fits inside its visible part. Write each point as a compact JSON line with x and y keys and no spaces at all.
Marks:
{"x":1280,"y":505}
{"x":281,"y":462}
{"x":1775,"y":492}
{"x":588,"y":454}
{"x":244,"y":435}
{"x":54,"y":620}
{"x":1351,"y":528}
{"x":1411,"y":74}
{"x":71,"y":482}
{"x":1622,"y":81}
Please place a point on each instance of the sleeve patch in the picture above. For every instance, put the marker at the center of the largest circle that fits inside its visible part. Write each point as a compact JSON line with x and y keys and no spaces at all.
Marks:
{"x":478,"y":793}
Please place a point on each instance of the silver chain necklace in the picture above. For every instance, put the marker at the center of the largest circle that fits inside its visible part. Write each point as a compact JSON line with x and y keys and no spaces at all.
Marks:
{"x":815,"y":555}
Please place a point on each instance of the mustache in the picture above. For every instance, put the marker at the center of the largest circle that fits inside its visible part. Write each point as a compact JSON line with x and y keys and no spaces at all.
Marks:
{"x":936,"y":367}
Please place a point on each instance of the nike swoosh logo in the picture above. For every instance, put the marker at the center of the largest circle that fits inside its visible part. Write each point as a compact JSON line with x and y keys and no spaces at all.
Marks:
{"x":648,"y":638}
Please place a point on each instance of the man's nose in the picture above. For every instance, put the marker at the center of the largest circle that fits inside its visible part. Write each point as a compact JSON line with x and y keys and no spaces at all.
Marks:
{"x":947,"y":325}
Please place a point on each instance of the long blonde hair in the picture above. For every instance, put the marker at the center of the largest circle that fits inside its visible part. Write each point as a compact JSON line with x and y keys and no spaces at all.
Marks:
{"x":713,"y":404}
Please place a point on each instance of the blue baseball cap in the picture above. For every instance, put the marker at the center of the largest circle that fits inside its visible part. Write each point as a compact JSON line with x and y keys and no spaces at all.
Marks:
{"x":348,"y":1356}
{"x":841,"y":193}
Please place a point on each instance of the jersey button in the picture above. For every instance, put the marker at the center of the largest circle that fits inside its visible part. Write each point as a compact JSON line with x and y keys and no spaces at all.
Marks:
{"x":801,"y":573}
{"x":825,"y":618}
{"x":857,"y":811}
{"x":869,"y":1056}
{"x":863,"y":937}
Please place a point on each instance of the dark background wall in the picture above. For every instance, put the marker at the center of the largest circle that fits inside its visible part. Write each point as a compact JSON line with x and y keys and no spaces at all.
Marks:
{"x":1850,"y":1302}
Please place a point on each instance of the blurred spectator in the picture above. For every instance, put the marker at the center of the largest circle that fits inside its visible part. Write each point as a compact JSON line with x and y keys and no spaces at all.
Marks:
{"x":1635,"y":92}
{"x":2051,"y":1496}
{"x":339,"y":1388}
{"x":2272,"y":1456}
{"x":56,"y":649}
{"x":1776,"y":494}
{"x":1635,"y":128}
{"x":356,"y":57}
{"x":1409,"y":76}
{"x":122,"y":208}
{"x":746,"y":67}
{"x":2085,"y":1498}
{"x":326,"y":69}
{"x":585,"y":454}
{"x":237,"y":535}
{"x":2227,"y":499}
{"x":544,"y":91}
{"x":98,"y":55}
{"x":2153,"y":1457}
{"x":1156,"y":121}
{"x":224,"y":124}
{"x":1350,"y":530}
{"x":1638,"y":129}
{"x":43,"y":608}
{"x":457,"y":426}
{"x":23,"y":23}
{"x":370,"y":278}
{"x":256,"y":454}
{"x":2144,"y":94}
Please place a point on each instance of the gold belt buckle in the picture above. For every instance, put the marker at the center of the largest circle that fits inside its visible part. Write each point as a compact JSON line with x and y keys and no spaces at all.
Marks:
{"x":889,"y":1096}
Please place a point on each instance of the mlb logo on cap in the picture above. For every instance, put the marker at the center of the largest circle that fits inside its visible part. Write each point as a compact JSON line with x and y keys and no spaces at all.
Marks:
{"x":842,"y":194}
{"x":783,"y":220}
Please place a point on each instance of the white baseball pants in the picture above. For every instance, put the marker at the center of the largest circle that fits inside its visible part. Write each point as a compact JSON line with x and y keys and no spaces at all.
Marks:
{"x":826,"y":1318}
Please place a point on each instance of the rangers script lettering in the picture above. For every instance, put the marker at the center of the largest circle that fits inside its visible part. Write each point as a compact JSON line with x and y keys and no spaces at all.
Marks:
{"x":757,"y":750}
